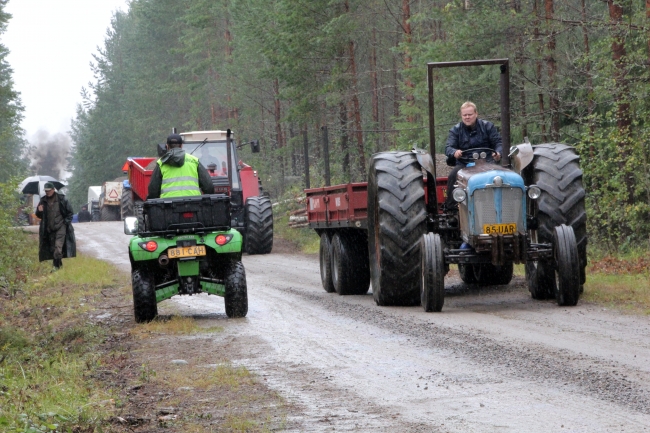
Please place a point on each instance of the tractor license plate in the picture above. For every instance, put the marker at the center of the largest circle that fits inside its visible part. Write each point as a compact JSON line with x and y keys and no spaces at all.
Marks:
{"x":500,"y":229}
{"x":177,"y":253}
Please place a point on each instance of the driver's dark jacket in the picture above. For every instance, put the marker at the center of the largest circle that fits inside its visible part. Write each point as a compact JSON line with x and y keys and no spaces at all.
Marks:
{"x":483,"y":134}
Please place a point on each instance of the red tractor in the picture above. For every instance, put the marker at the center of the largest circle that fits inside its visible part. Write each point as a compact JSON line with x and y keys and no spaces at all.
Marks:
{"x":252,"y":214}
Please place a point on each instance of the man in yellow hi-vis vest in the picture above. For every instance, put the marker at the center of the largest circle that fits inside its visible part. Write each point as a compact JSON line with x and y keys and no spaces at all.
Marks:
{"x":178,"y":174}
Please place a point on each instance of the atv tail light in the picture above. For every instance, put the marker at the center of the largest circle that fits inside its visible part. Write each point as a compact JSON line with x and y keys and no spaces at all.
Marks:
{"x":150,"y":246}
{"x":188,"y":214}
{"x":459,"y":195}
{"x":534,"y":192}
{"x":222,"y":239}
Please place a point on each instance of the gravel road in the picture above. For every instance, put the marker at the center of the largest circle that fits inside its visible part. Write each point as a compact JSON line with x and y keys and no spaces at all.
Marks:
{"x":493,"y":361}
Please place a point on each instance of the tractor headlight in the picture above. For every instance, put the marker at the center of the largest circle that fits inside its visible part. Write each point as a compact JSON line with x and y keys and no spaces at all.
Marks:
{"x":483,"y":155}
{"x":475,"y":155}
{"x":534,"y":192}
{"x":459,"y":195}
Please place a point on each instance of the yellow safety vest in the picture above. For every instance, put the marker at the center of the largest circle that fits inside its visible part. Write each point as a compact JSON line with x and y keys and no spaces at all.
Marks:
{"x":180,"y":181}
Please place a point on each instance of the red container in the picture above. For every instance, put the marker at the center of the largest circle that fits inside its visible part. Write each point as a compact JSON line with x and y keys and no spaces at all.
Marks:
{"x":139,"y":175}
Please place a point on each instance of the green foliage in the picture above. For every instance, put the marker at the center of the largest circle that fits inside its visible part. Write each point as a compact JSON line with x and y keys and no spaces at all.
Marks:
{"x":270,"y":70}
{"x":17,"y":252}
{"x":12,"y":144}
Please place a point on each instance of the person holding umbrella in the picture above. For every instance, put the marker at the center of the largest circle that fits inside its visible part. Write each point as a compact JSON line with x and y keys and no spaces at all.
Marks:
{"x":56,"y":235}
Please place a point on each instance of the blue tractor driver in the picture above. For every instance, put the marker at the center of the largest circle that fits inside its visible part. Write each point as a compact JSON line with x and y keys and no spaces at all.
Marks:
{"x":470,"y":133}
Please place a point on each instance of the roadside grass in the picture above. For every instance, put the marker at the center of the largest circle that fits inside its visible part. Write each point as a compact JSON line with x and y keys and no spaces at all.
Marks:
{"x":49,"y":349}
{"x":176,"y":325}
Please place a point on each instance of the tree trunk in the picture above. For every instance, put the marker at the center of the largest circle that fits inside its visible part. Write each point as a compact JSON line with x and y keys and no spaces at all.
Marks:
{"x":623,"y":120}
{"x":373,"y":77}
{"x":590,"y":83}
{"x":408,"y":38}
{"x":551,"y":65}
{"x":356,"y":110}
{"x":343,"y":118}
{"x":538,"y":71}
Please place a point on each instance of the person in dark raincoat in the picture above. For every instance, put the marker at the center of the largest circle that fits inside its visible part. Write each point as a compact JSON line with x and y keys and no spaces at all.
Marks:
{"x":56,"y":235}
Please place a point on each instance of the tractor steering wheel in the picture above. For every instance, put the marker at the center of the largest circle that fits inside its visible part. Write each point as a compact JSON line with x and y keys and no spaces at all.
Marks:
{"x":468,"y":154}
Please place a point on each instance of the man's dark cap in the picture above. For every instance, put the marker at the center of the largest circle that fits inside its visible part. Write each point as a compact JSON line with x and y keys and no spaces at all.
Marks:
{"x":212,"y":166}
{"x":174,"y":139}
{"x":48,"y":185}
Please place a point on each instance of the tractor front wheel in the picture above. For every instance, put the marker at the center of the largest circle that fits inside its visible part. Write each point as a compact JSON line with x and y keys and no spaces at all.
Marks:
{"x":567,"y":287}
{"x":432,"y":284}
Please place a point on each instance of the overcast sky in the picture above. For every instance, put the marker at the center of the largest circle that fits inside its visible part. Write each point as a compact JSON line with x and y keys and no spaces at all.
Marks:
{"x":51,"y":44}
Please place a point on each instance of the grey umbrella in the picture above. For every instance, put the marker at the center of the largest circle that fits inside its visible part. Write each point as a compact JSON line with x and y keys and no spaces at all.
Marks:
{"x":33,"y":184}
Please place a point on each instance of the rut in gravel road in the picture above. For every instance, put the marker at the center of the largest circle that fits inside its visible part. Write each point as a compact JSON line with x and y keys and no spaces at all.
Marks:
{"x":493,"y":360}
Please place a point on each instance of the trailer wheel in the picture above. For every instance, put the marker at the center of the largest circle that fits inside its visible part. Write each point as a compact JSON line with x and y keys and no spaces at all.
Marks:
{"x":325,"y":258}
{"x":432,"y":283}
{"x":145,"y":308}
{"x":567,"y":276}
{"x":126,"y":204}
{"x":236,"y":296}
{"x":556,"y":171}
{"x":467,"y":274}
{"x":396,"y":222}
{"x":109,"y":213}
{"x":259,"y":225}
{"x":540,"y":277}
{"x":349,"y":264}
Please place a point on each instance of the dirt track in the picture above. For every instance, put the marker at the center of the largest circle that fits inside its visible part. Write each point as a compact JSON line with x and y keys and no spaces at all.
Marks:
{"x":493,"y":360}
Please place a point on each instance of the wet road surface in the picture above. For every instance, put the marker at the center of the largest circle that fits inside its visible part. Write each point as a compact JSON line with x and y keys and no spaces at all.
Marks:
{"x":493,"y":361}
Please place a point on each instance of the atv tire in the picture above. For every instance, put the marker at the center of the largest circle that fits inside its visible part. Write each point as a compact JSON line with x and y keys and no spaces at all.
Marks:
{"x":396,"y":222}
{"x":325,"y":259}
{"x":259,"y":225}
{"x":432,"y":286}
{"x":236,"y":296}
{"x":145,"y":308}
{"x":349,"y":264}
{"x":555,"y":169}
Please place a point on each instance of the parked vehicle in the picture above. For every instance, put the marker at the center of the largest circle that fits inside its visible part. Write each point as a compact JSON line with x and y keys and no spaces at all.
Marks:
{"x":251,"y":211}
{"x":394,"y":231}
{"x":109,"y":201}
{"x":93,"y":202}
{"x":184,"y":246}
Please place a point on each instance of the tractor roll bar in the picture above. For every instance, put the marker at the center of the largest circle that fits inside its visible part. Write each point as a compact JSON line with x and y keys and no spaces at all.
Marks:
{"x":505,"y":101}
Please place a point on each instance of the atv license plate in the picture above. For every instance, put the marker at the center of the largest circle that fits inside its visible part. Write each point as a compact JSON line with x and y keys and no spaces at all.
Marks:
{"x":500,"y":229}
{"x":193,"y":251}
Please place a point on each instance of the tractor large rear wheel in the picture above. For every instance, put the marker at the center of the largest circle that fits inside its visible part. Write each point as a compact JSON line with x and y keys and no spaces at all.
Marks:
{"x":126,"y":204}
{"x":556,"y":171}
{"x":396,"y":222}
{"x":259,"y":225}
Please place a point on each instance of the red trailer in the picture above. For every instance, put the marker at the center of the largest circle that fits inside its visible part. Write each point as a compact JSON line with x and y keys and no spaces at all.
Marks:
{"x":139,"y":176}
{"x":339,"y":214}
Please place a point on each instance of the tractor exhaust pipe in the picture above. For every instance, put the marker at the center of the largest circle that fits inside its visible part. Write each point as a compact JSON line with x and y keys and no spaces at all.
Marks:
{"x":163,"y":260}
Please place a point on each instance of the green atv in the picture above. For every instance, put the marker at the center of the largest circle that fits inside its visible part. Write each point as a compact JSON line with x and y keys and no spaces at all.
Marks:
{"x":185,"y":246}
